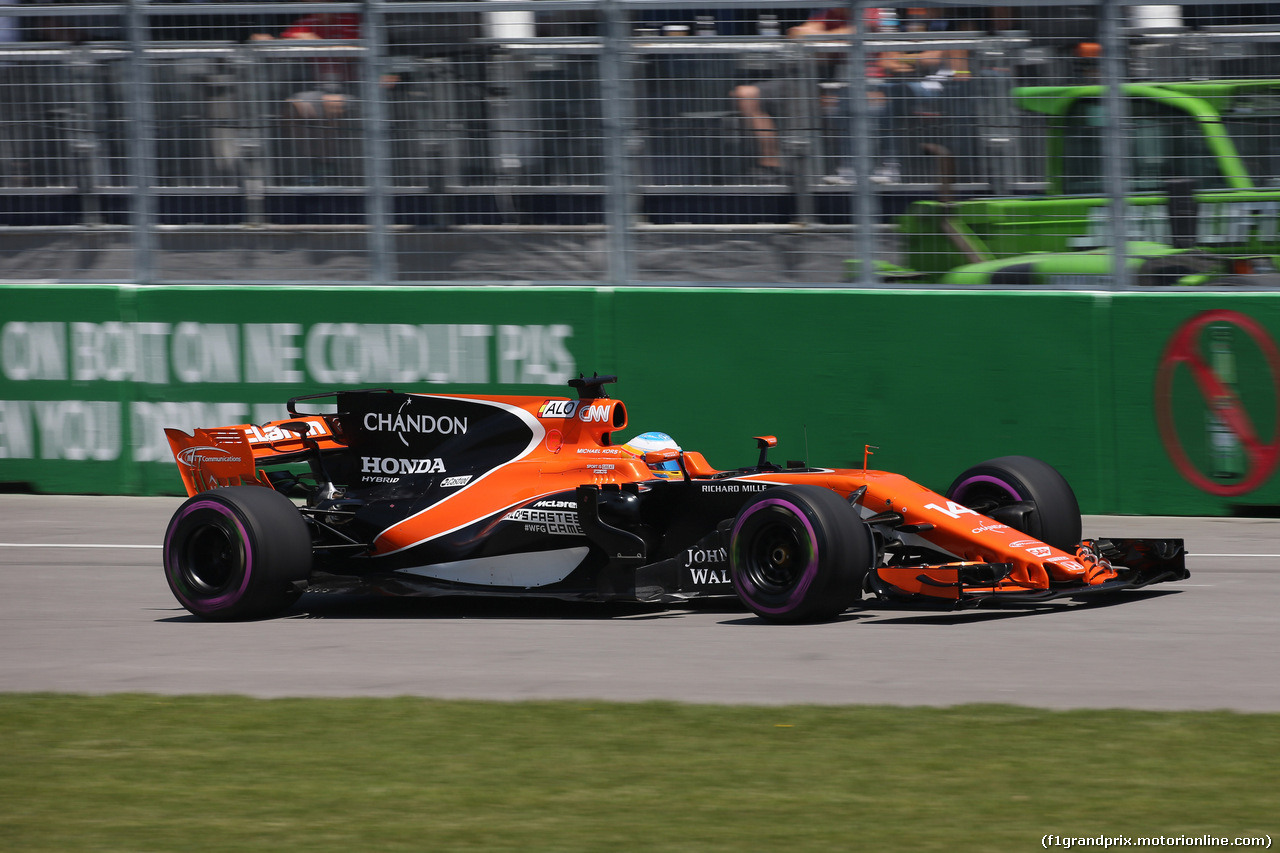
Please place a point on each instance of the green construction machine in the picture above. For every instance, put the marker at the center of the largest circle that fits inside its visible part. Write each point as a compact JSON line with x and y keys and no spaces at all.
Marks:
{"x":1202,"y":206}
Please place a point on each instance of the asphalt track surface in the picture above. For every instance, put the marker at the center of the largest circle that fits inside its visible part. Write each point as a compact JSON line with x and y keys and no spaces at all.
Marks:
{"x":84,"y":608}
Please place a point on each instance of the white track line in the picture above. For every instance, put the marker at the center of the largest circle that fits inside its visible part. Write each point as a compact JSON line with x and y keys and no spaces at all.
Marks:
{"x":1267,"y":556}
{"x":68,"y":545}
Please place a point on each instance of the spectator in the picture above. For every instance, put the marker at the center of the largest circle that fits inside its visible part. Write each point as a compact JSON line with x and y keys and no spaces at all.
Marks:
{"x":912,"y":87}
{"x":764,"y":104}
{"x":313,"y":117}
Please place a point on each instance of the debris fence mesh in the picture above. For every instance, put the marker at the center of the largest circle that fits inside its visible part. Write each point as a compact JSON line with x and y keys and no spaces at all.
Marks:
{"x":637,"y":141}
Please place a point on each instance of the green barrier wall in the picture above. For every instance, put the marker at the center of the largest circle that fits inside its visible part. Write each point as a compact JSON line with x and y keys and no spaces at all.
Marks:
{"x":1172,"y":452}
{"x":1149,"y":403}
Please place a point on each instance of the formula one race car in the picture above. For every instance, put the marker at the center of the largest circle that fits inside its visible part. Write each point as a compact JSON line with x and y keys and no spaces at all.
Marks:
{"x":435,"y":494}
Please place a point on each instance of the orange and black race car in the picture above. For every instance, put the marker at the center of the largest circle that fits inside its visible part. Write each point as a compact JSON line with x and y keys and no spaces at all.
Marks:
{"x":441,"y":494}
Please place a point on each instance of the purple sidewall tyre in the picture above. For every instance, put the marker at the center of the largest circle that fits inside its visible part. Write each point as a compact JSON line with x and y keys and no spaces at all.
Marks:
{"x":1031,"y":494}
{"x":749,"y":585}
{"x":207,"y":588}
{"x":240,"y":552}
{"x":959,"y":491}
{"x":799,"y":554}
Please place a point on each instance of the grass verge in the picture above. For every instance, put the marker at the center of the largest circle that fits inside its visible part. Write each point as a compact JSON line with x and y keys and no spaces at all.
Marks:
{"x":158,"y":773}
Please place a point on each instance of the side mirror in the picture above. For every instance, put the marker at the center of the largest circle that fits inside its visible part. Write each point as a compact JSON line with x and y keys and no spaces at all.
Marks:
{"x":667,"y":454}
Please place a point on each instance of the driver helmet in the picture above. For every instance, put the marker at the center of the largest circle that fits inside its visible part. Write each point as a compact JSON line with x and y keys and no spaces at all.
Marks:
{"x":646,"y":442}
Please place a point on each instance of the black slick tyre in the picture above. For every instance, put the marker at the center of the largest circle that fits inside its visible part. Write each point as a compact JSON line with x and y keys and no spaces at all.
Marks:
{"x":799,"y":554}
{"x":237,"y":553}
{"x":1055,"y":514}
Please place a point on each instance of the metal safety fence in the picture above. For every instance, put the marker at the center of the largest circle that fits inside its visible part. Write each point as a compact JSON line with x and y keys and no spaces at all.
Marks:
{"x":635,"y":141}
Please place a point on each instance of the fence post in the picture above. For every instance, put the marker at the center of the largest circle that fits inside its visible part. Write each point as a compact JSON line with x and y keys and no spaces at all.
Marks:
{"x":862,"y":199}
{"x":1115,"y":136}
{"x":141,"y":135}
{"x":382,"y":262}
{"x":615,"y":97}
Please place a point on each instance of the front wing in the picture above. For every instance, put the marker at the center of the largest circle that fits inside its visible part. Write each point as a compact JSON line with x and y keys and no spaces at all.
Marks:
{"x":1122,"y":564}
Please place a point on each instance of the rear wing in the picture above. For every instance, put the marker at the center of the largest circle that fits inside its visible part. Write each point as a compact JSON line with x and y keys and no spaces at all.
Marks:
{"x":229,"y":456}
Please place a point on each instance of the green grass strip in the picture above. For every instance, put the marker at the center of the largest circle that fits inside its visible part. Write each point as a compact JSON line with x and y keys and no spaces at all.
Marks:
{"x":158,"y":773}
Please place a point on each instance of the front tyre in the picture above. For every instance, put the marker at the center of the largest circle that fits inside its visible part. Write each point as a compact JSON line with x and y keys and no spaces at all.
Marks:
{"x":799,"y":554}
{"x":237,"y":553}
{"x":1023,"y":483}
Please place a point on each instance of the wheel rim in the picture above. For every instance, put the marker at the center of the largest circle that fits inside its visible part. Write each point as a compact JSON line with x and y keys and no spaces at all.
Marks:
{"x":775,"y":558}
{"x":210,"y":560}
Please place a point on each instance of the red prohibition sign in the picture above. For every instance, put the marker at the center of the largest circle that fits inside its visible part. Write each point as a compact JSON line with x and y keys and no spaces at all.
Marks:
{"x":1184,"y":349}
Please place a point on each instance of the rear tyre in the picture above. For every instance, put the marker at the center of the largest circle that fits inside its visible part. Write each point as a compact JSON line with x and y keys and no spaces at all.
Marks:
{"x":1054,"y":516}
{"x":799,"y":554}
{"x":237,"y":553}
